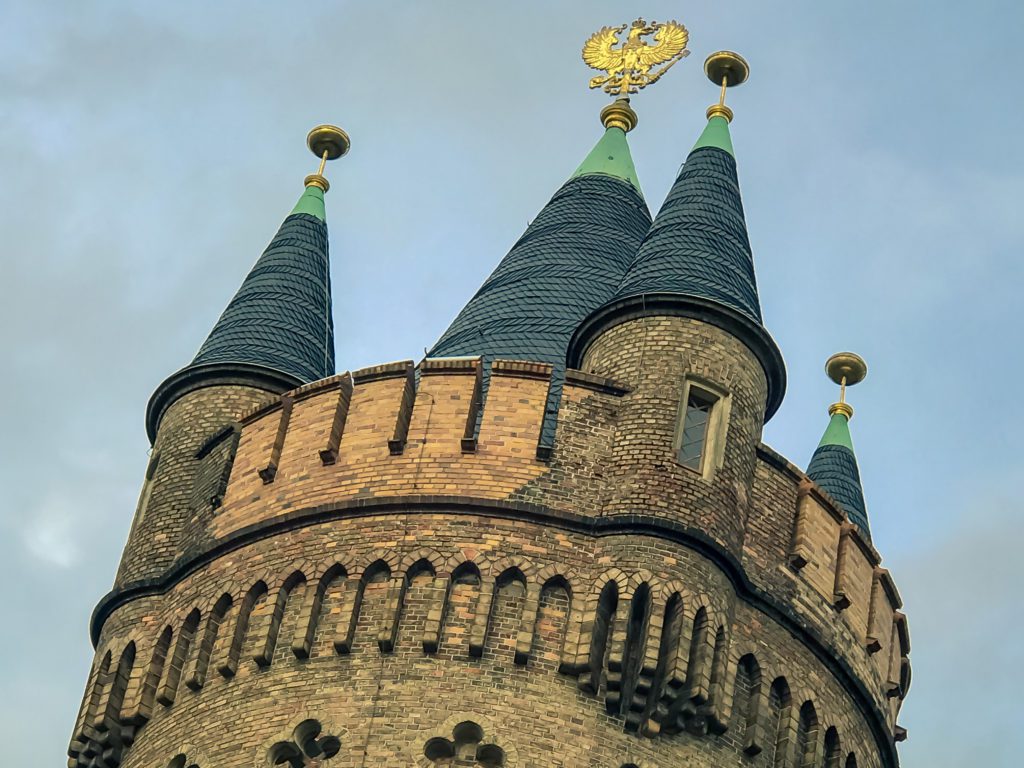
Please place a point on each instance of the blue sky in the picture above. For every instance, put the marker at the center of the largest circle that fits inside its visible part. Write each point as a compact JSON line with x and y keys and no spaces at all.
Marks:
{"x":149,"y":151}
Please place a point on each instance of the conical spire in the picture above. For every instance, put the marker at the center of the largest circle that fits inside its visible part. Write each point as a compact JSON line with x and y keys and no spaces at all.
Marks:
{"x":568,"y":262}
{"x":277,"y":332}
{"x":696,"y":257}
{"x":834,"y":464}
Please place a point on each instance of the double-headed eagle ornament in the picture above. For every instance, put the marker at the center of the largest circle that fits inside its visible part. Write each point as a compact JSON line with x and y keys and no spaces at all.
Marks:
{"x":629,"y":67}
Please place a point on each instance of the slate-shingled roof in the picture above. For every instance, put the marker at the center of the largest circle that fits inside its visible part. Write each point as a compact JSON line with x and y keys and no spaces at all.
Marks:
{"x":698,"y":243}
{"x":281,"y":316}
{"x":567,"y":263}
{"x":834,"y":468}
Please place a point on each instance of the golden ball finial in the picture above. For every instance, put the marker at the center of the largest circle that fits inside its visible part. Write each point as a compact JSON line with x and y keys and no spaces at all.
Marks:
{"x":619,"y":114}
{"x":328,"y":142}
{"x":845,"y":369}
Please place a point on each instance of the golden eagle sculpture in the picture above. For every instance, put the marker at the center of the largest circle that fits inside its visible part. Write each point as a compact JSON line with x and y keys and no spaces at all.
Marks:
{"x":629,"y":68}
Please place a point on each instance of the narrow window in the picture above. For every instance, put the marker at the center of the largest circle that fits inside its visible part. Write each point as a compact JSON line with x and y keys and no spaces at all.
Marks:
{"x":693,"y":447}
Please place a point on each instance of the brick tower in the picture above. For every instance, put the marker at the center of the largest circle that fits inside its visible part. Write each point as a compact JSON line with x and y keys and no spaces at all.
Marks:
{"x":556,"y":541}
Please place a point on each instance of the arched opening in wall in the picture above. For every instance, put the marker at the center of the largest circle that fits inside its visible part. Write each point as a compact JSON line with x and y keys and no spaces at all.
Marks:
{"x":780,"y":703}
{"x":552,"y":618}
{"x":181,"y":761}
{"x":172,"y":675}
{"x":423,"y":591}
{"x":697,"y":671}
{"x":506,"y":611}
{"x":327,"y":602}
{"x":460,"y":610}
{"x":101,"y":681}
{"x":155,"y":672}
{"x":207,"y":640}
{"x":807,"y":736}
{"x":668,"y":676}
{"x":371,"y":604}
{"x":228,"y":666}
{"x":607,"y":603}
{"x":289,"y":595}
{"x":851,"y":761}
{"x":746,"y":702}
{"x":118,"y":688}
{"x":833,"y":752}
{"x":718,"y":662}
{"x":636,"y":635}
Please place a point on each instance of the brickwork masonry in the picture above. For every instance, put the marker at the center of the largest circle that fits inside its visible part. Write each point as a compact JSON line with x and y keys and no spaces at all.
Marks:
{"x":370,"y":552}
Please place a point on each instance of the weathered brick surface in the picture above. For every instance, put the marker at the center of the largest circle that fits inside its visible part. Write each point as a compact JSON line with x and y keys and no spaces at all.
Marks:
{"x":602,"y":607}
{"x":156,"y":536}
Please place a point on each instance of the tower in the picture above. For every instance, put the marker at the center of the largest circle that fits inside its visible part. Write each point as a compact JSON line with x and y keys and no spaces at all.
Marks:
{"x":558,"y":540}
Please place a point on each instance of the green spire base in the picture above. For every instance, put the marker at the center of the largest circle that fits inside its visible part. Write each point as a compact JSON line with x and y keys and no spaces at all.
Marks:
{"x":716,"y":134}
{"x":312,"y":202}
{"x":838,"y":432}
{"x":610,"y":157}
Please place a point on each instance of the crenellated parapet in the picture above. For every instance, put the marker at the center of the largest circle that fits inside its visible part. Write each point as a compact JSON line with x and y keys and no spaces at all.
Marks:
{"x":420,"y":453}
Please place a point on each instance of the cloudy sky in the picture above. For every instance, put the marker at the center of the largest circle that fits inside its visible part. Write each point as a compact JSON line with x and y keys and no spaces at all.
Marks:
{"x":148,"y":152}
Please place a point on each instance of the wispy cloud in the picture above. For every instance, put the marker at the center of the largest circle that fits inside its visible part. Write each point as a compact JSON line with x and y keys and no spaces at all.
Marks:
{"x":50,"y":534}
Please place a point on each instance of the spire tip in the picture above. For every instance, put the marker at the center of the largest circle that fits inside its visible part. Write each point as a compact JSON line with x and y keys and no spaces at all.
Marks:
{"x":726,"y":69}
{"x":328,"y":142}
{"x":619,"y":114}
{"x":845,"y":369}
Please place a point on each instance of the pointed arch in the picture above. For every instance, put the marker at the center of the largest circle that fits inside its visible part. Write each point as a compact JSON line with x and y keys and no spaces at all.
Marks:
{"x":176,"y":662}
{"x":747,"y":702}
{"x":807,"y":735}
{"x":780,"y":703}
{"x":264,"y":654}
{"x":229,"y":665}
{"x":833,"y":749}
{"x":196,"y":677}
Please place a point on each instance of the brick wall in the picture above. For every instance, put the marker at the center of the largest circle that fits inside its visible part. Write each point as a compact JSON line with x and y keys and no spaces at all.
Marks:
{"x":382,"y":555}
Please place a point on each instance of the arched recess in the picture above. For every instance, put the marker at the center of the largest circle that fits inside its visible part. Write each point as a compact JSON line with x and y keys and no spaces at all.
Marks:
{"x":550,"y":630}
{"x":633,"y":651}
{"x":196,"y":677}
{"x":172,"y":673}
{"x":118,"y":687}
{"x":604,"y":614}
{"x":747,"y":703}
{"x":807,"y":735}
{"x":670,"y":673}
{"x":228,"y":665}
{"x":783,"y":728}
{"x":155,"y":673}
{"x":460,"y":610}
{"x":851,"y":761}
{"x":264,"y":654}
{"x":326,"y":591}
{"x":833,"y":750}
{"x":95,"y":696}
{"x":506,"y":611}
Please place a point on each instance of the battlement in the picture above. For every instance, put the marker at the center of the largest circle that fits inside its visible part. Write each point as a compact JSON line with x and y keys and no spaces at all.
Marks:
{"x":396,"y":437}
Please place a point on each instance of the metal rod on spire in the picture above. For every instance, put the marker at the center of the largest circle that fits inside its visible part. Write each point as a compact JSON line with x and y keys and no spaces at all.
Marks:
{"x":328,"y":142}
{"x":845,"y":369}
{"x":727,"y":69}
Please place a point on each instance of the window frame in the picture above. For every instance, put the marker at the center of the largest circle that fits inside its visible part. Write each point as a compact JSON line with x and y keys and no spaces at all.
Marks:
{"x":713,"y":453}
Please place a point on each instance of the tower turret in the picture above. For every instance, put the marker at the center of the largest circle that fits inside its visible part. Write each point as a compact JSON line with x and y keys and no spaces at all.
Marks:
{"x":834,"y":464}
{"x":275,"y":334}
{"x":568,"y":261}
{"x":684,"y":331}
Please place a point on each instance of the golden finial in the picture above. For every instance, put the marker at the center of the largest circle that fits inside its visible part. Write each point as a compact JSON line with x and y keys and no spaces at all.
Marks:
{"x":726,"y":69}
{"x":328,"y":142}
{"x":628,"y":68}
{"x":845,"y":369}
